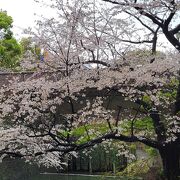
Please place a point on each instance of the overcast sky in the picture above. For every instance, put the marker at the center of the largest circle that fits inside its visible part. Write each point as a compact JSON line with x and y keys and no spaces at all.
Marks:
{"x":22,"y":12}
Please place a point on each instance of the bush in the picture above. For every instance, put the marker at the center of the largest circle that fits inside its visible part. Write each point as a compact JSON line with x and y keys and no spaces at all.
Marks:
{"x":142,"y":168}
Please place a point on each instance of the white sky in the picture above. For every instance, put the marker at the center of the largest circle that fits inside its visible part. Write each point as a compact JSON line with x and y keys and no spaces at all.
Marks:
{"x":22,"y":12}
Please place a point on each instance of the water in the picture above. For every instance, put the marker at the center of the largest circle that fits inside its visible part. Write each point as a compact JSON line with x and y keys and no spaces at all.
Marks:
{"x":77,"y":177}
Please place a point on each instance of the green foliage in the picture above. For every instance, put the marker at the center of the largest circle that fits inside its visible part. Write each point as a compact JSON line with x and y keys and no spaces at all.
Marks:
{"x":147,"y":99}
{"x":139,"y":124}
{"x":168,"y":95}
{"x":81,"y":134}
{"x":27,"y":45}
{"x":151,"y":151}
{"x":169,"y":92}
{"x":145,"y":168}
{"x":174,"y":82}
{"x":144,"y":123}
{"x":5,"y":25}
{"x":10,"y":50}
{"x":5,"y":20}
{"x":138,"y":168}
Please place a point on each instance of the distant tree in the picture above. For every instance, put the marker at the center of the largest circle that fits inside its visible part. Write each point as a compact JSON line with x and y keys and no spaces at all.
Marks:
{"x":28,"y":46}
{"x":32,"y":54}
{"x":10,"y":50}
{"x":5,"y":25}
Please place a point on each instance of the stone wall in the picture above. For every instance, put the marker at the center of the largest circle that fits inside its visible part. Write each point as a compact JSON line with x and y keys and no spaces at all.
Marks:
{"x":5,"y":78}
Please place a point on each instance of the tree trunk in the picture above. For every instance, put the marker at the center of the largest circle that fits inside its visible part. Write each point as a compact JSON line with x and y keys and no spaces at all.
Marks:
{"x":171,"y":161}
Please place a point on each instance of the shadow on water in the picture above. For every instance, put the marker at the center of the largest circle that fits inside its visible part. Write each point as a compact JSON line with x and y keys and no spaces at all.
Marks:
{"x":77,"y":177}
{"x":17,"y":169}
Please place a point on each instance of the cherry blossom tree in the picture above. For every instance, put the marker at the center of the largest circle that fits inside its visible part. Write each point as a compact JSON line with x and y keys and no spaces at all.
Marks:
{"x":78,"y":35}
{"x":162,"y":13}
{"x":40,"y":115}
{"x":90,"y":33}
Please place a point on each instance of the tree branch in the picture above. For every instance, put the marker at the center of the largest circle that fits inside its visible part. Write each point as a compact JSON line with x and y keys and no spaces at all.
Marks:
{"x":140,"y":10}
{"x":158,"y":125}
{"x":145,"y":25}
{"x":177,"y":102}
{"x":92,"y":61}
{"x":175,"y":30}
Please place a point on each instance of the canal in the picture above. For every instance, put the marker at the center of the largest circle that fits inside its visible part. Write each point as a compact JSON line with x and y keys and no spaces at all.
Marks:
{"x":78,"y":177}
